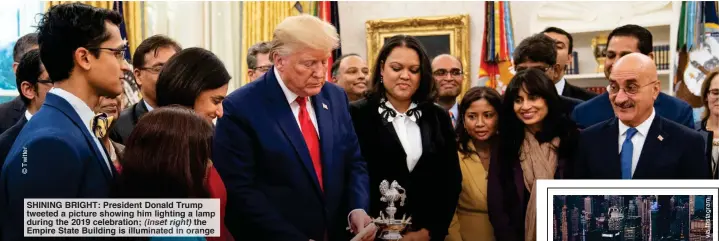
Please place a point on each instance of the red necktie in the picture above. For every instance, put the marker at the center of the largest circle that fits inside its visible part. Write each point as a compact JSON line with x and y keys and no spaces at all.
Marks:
{"x":311,"y":138}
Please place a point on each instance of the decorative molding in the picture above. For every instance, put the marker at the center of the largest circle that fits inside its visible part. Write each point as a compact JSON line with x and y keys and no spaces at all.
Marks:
{"x":456,"y":26}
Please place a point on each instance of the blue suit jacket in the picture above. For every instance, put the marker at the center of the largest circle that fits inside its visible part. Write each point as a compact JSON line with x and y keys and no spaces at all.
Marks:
{"x":670,"y":151}
{"x":272,"y":188}
{"x":599,"y":109}
{"x":8,"y":137}
{"x":54,"y":156}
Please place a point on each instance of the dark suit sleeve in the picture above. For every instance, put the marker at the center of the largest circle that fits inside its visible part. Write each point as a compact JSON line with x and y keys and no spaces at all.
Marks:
{"x":358,"y":185}
{"x":235,"y":158}
{"x":449,"y":184}
{"x":694,"y":164}
{"x":575,"y":116}
{"x":579,"y":169}
{"x":498,"y":217}
{"x":53,"y":168}
{"x":687,"y":117}
{"x":115,"y":134}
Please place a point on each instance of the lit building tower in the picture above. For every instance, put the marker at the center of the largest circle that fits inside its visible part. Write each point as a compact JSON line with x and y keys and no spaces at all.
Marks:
{"x":653,"y":223}
{"x":554,"y":219}
{"x":565,"y":236}
{"x":632,"y":209}
{"x":615,"y":219}
{"x":646,"y":213}
{"x":692,"y":200}
{"x":588,"y":205}
{"x":575,"y":224}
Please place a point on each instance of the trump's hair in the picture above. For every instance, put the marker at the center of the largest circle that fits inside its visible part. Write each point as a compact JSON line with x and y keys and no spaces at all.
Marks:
{"x":303,"y":31}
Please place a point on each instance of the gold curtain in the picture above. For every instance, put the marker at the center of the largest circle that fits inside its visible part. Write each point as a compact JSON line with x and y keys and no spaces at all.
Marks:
{"x":259,"y":20}
{"x":133,"y":17}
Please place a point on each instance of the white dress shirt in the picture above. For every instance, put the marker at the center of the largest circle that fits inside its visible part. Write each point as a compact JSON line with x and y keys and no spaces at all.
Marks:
{"x":638,"y":138}
{"x":455,"y":112}
{"x":86,"y":114}
{"x":560,"y":86}
{"x":292,"y":100}
{"x":27,"y":115}
{"x":148,"y":106}
{"x":408,"y":133}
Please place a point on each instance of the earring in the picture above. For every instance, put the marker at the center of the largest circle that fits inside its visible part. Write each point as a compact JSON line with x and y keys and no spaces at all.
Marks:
{"x":381,"y":79}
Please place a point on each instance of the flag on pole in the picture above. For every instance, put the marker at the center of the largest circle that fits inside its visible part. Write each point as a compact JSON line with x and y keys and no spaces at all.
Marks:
{"x":497,"y":46}
{"x":130,"y":88}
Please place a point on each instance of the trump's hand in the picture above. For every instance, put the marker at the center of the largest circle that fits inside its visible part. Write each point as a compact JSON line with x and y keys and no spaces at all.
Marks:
{"x":359,"y":221}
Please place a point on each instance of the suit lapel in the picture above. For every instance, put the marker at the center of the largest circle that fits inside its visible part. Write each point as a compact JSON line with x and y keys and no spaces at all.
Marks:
{"x":280,"y":110}
{"x":611,"y":136}
{"x":65,"y":107}
{"x":324,"y":124}
{"x":651,"y":150}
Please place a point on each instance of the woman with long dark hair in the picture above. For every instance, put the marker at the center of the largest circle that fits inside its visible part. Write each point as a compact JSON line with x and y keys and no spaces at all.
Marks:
{"x":538,"y":142}
{"x":195,"y":78}
{"x":167,"y":155}
{"x":405,"y":137}
{"x":478,"y":137}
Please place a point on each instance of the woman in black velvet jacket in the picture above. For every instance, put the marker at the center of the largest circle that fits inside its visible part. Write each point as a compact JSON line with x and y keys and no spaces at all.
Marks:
{"x":405,"y":137}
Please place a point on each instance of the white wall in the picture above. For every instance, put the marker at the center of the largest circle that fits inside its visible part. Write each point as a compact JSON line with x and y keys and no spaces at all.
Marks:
{"x":354,"y":15}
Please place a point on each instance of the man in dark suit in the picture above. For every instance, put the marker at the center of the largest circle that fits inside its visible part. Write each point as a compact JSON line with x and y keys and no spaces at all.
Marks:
{"x":639,"y":143}
{"x":12,"y":111}
{"x":622,"y":41}
{"x":147,"y":61}
{"x":56,"y":155}
{"x":538,"y":51}
{"x":32,"y":83}
{"x":564,"y":45}
{"x":292,"y":166}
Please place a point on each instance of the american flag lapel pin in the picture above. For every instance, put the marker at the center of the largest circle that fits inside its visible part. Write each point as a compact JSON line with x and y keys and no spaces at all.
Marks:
{"x":660,"y":138}
{"x":325,"y":106}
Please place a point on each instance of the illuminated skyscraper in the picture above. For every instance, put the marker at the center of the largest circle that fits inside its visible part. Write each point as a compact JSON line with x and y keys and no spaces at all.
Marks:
{"x":588,"y":205}
{"x":565,"y":229}
{"x":616,"y":217}
{"x":575,"y":224}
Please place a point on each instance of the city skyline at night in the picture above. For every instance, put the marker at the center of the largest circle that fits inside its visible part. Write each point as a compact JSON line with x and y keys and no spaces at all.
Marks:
{"x":631,"y":218}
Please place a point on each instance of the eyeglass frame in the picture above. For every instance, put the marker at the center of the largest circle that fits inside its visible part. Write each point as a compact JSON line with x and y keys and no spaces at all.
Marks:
{"x":458,"y":72}
{"x":260,"y":67}
{"x":120,"y":57}
{"x":152,"y":69}
{"x":45,"y":81}
{"x":543,"y":68}
{"x":625,"y":90}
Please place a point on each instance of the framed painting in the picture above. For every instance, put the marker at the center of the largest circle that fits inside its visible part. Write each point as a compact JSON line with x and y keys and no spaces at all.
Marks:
{"x":438,"y":35}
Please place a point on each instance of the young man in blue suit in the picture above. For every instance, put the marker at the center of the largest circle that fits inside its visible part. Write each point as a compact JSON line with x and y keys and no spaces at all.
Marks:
{"x":639,"y":143}
{"x":622,"y":41}
{"x":56,"y":155}
{"x":286,"y":148}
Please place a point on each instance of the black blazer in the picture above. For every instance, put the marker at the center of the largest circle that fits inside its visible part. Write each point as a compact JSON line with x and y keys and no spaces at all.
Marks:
{"x":434,"y":184}
{"x":577,"y":92}
{"x":680,"y":154}
{"x":708,"y":136}
{"x":8,"y":137}
{"x":569,"y":103}
{"x":10,"y":113}
{"x":127,"y":121}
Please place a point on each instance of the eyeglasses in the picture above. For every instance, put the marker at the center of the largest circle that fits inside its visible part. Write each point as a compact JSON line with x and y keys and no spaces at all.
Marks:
{"x":119,"y":53}
{"x":153,"y":69}
{"x":631,"y":89}
{"x":543,"y":68}
{"x":45,"y":81}
{"x":443,"y":72}
{"x":262,"y":68}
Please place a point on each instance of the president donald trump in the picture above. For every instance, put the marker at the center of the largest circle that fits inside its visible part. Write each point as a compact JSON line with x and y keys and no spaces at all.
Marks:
{"x":286,"y":148}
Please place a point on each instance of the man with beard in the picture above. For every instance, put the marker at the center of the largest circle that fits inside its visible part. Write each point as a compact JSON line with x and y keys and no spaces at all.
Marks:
{"x":350,"y":72}
{"x":622,"y":41}
{"x":447,"y":72}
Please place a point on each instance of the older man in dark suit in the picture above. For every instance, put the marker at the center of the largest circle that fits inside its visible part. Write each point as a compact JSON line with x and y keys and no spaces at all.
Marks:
{"x":286,"y":148}
{"x":638,"y":143}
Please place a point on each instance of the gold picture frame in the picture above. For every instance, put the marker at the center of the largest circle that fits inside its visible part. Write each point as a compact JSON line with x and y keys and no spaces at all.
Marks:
{"x":454,"y":28}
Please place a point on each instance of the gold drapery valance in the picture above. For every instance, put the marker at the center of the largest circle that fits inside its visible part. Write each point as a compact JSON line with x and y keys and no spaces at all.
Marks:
{"x":134,"y":18}
{"x":259,"y":20}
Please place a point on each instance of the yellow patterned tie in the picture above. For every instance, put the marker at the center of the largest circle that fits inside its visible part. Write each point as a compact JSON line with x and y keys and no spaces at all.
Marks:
{"x":100,"y":124}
